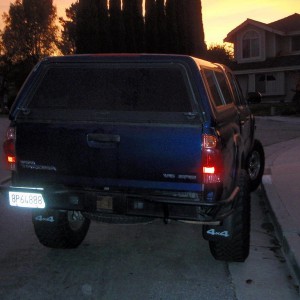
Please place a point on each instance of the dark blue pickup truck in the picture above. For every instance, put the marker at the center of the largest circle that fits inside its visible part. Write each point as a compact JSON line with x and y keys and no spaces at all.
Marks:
{"x":128,"y":138}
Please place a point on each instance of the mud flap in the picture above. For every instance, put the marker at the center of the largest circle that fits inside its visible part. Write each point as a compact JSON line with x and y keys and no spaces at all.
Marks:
{"x":222,"y":232}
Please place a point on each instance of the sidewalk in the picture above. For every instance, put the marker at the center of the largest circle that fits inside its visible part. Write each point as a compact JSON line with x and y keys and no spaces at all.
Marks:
{"x":281,"y":183}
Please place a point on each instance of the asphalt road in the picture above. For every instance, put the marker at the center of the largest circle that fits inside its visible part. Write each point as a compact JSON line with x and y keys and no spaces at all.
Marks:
{"x":144,"y":261}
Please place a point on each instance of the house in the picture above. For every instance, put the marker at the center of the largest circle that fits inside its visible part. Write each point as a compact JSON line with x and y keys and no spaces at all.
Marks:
{"x":267,"y":57}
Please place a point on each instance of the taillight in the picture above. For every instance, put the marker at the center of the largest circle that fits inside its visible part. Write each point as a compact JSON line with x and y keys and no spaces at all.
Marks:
{"x":212,"y":163}
{"x":10,"y":149}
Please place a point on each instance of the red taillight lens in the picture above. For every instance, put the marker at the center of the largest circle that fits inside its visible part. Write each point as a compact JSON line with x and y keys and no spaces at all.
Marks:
{"x":9,"y":149}
{"x":212,"y":164}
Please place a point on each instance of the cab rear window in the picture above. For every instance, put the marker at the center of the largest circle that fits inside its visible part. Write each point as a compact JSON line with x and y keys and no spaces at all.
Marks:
{"x":114,"y":87}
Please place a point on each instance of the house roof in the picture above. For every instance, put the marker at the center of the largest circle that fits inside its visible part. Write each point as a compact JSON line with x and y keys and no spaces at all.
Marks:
{"x":288,"y":24}
{"x":285,"y":26}
{"x":290,"y":61}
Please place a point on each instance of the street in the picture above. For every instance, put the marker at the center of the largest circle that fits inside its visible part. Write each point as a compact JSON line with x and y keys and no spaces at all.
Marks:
{"x":145,"y":261}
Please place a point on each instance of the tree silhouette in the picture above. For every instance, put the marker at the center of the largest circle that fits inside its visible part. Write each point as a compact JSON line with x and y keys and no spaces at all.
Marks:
{"x":161,"y":46}
{"x":105,"y":43}
{"x":194,"y":27}
{"x":92,"y":28}
{"x":67,"y":45}
{"x":185,"y":27}
{"x":151,"y":26}
{"x":155,"y":26}
{"x":174,"y":39}
{"x":171,"y":26}
{"x":30,"y":31}
{"x":134,"y":25}
{"x":220,"y":53}
{"x":117,"y":28}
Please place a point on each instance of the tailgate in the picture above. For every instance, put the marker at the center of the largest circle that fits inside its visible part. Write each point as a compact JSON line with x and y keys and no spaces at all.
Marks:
{"x":130,"y":123}
{"x":155,"y":156}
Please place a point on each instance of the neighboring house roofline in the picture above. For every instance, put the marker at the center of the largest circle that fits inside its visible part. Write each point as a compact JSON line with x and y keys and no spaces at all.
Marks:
{"x":288,"y":24}
{"x":231,"y":35}
{"x":285,"y":26}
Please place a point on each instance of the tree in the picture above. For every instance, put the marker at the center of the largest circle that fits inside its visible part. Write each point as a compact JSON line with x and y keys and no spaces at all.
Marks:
{"x":134,"y":25}
{"x":168,"y":26}
{"x":173,"y":38}
{"x":151,"y":30}
{"x":194,"y":28}
{"x":104,"y":28}
{"x":67,"y":45}
{"x":117,"y":28}
{"x":161,"y":26}
{"x":92,"y":28}
{"x":185,"y":27}
{"x":155,"y":26}
{"x":221,"y":53}
{"x":30,"y":31}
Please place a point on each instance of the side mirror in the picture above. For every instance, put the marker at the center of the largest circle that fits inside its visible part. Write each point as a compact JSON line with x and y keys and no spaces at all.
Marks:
{"x":254,"y":97}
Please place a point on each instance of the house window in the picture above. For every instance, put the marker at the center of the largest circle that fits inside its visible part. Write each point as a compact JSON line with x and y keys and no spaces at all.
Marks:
{"x":296,"y":43}
{"x":250,"y":44}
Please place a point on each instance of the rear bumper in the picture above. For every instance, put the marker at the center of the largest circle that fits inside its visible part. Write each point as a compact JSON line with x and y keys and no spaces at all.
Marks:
{"x":160,"y":204}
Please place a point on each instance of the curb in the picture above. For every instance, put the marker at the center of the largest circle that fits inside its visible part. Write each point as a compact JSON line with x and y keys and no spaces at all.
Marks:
{"x":6,"y":180}
{"x":286,"y":230}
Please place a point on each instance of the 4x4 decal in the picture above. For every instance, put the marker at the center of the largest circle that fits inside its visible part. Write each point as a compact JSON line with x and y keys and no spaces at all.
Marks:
{"x":213,"y":232}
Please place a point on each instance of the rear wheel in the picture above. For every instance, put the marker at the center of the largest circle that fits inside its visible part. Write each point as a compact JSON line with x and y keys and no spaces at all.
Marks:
{"x":60,"y":229}
{"x":256,"y":165}
{"x":236,"y":248}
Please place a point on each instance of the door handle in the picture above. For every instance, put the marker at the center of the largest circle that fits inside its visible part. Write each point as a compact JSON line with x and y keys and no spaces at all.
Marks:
{"x":103,"y":141}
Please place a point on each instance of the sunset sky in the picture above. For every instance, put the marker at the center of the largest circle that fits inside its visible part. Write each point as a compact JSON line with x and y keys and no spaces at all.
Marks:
{"x":219,"y":16}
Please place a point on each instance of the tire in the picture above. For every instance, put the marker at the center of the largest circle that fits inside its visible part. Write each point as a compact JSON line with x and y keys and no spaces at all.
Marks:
{"x":236,"y":249}
{"x":60,"y":229}
{"x":256,"y":165}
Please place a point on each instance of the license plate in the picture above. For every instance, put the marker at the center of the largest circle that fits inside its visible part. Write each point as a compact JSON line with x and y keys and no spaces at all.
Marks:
{"x":105,"y":202}
{"x":26,"y":199}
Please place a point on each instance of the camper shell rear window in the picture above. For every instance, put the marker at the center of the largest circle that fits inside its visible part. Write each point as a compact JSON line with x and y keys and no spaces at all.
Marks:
{"x":160,"y":88}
